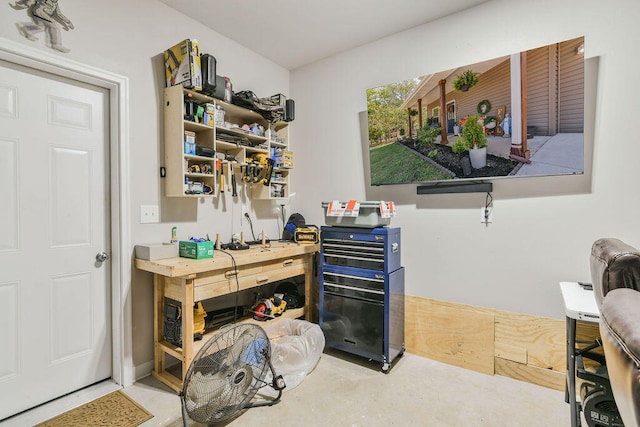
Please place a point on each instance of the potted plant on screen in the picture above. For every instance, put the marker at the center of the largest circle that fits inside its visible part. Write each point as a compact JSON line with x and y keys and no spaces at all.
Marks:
{"x":465,"y":81}
{"x":474,"y":140}
{"x":456,"y":128}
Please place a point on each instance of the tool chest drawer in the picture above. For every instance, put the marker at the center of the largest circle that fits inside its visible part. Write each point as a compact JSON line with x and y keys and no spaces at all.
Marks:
{"x":372,"y":249}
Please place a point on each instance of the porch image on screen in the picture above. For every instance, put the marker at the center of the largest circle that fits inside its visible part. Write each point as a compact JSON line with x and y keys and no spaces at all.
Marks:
{"x":513,"y":116}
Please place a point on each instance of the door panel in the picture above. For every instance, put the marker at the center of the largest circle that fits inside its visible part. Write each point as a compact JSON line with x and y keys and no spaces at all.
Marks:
{"x":9,"y":195}
{"x":55,"y":300}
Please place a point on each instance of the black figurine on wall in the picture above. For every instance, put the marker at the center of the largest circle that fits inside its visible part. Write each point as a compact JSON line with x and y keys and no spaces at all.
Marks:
{"x":46,"y":17}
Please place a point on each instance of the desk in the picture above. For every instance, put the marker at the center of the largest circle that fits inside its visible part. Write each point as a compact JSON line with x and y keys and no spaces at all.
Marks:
{"x":579,"y":305}
{"x":190,"y":280}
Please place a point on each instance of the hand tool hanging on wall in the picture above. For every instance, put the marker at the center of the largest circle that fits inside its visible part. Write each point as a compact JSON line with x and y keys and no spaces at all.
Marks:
{"x":221,"y":176}
{"x":234,"y":188}
{"x":227,"y":160}
{"x":248,"y":172}
{"x":264,"y":166}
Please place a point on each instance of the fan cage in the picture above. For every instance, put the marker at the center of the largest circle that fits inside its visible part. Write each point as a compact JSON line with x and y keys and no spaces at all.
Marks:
{"x":226,"y":373}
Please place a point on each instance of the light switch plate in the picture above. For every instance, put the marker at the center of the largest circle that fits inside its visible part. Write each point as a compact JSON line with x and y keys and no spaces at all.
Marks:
{"x":149,"y":214}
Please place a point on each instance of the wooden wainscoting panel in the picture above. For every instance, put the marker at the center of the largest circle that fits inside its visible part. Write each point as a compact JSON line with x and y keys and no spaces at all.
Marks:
{"x":531,"y":374}
{"x":587,"y":331}
{"x":520,"y":346}
{"x":511,"y":352}
{"x":451,"y":333}
{"x":541,"y":339}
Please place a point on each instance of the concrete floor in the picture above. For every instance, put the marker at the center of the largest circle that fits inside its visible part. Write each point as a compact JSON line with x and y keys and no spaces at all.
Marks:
{"x":346,"y":390}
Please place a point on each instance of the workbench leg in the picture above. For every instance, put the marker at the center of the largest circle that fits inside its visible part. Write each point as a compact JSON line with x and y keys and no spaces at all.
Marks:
{"x":187,"y":327}
{"x":158,"y":324}
{"x":308,"y":282}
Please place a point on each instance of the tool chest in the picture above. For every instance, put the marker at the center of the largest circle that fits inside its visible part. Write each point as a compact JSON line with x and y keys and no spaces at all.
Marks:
{"x":362,"y":292}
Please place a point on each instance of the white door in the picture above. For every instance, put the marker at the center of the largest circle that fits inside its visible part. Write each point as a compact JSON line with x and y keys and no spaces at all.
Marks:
{"x":55,"y":323}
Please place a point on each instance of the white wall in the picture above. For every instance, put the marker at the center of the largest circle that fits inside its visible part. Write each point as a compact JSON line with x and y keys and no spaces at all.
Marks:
{"x":543,"y":227}
{"x":128,"y":38}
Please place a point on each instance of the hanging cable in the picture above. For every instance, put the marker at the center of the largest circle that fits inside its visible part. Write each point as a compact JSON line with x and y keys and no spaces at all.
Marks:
{"x":488,"y":206}
{"x":235,"y":268}
{"x":246,"y":215}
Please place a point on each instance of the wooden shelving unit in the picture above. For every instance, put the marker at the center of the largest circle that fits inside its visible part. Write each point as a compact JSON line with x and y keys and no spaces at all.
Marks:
{"x":229,"y":138}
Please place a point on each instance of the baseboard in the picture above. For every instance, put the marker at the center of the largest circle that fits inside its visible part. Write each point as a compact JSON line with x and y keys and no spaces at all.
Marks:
{"x":143,"y":370}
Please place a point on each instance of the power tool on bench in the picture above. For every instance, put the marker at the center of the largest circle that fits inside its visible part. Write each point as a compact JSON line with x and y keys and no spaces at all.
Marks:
{"x":269,"y":308}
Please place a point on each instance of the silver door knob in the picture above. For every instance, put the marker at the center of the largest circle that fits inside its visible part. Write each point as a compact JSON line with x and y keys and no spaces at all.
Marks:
{"x":102,"y":256}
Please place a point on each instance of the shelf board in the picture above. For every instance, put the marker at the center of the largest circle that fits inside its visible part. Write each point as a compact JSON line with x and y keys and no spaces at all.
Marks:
{"x":202,"y":158}
{"x":176,"y":351}
{"x":196,"y":127}
{"x":246,"y":114}
{"x":200,"y":175}
{"x":198,"y":96}
{"x":241,"y":133}
{"x":256,"y":150}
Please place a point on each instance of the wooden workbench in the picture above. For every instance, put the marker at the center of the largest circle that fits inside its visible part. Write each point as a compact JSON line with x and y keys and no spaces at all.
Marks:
{"x":189,"y":280}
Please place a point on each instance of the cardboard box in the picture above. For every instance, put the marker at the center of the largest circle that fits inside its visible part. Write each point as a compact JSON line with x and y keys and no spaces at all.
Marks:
{"x":189,"y":142}
{"x":196,"y":250}
{"x":189,"y":148}
{"x":182,"y":65}
{"x":189,"y":136}
{"x":285,"y":160}
{"x":153,"y":251}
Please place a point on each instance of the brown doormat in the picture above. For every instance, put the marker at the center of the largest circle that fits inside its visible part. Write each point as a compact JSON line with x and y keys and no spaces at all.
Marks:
{"x":114,"y":410}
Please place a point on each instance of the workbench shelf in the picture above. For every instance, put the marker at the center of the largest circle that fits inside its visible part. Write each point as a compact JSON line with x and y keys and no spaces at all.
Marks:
{"x":176,"y":351}
{"x":228,"y":140}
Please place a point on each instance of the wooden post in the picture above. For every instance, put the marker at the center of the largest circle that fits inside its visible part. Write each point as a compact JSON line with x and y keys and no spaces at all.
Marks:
{"x":522,"y":152}
{"x":523,"y":90}
{"x":443,"y":112}
{"x":420,"y":113}
{"x":410,"y":127}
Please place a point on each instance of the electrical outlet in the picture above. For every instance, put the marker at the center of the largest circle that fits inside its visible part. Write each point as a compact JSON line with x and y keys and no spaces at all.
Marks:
{"x":149,"y":214}
{"x":486,"y":215}
{"x":245,"y":211}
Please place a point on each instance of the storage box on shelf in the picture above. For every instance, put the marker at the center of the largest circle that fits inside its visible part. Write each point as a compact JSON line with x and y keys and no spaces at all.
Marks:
{"x":190,"y":146}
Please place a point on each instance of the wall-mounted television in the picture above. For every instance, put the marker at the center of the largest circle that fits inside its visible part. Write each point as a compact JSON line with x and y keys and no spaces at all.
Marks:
{"x":513,"y":116}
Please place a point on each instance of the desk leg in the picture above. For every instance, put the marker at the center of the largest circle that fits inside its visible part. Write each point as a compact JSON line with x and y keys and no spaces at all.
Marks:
{"x":571,"y":373}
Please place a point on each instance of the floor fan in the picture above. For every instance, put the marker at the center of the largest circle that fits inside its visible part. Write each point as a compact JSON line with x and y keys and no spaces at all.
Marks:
{"x":226,"y":374}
